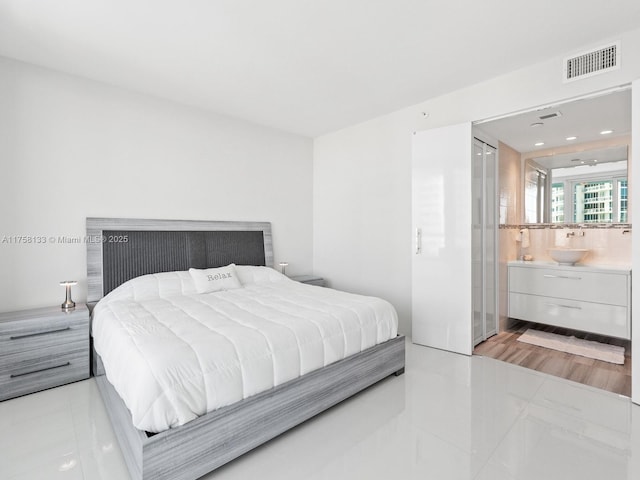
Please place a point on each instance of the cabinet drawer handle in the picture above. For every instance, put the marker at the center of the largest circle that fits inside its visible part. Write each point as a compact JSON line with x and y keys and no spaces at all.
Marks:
{"x":26,"y":335}
{"x":563,"y":306}
{"x":14,"y":375}
{"x":562,"y":276}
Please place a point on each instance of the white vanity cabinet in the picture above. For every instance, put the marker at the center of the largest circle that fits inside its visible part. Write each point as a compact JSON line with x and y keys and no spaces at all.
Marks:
{"x":588,"y":298}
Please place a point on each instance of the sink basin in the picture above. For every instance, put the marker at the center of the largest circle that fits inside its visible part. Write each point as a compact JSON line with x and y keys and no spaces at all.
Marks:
{"x":568,"y":256}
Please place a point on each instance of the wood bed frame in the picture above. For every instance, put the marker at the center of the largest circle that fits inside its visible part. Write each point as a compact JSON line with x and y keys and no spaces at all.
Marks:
{"x":208,"y":442}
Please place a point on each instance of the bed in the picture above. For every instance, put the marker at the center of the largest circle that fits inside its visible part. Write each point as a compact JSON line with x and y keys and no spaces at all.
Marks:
{"x":119,"y":250}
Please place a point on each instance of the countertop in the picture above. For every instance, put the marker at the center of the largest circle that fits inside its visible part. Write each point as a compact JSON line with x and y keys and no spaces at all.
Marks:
{"x":620,"y":269}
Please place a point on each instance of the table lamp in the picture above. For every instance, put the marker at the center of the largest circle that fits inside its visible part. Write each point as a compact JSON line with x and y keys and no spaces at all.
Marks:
{"x":68,"y":303}
{"x":283,"y":266}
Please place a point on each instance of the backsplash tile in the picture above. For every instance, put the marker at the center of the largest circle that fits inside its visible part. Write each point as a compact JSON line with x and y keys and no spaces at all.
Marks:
{"x":608,"y":246}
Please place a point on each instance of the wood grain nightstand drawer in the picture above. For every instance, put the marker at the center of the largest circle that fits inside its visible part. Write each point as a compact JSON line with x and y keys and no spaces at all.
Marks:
{"x":42,"y":348}
{"x":56,"y":334}
{"x":11,"y":362}
{"x":50,"y":370}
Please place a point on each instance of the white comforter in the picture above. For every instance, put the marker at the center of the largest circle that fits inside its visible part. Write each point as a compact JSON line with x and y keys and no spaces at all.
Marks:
{"x":173,"y":354}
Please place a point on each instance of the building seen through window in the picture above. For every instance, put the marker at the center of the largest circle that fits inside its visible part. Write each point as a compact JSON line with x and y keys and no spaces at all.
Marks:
{"x":601,"y":201}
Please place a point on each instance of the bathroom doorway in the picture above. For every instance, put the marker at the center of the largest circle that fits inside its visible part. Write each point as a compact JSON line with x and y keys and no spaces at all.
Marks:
{"x":578,"y":151}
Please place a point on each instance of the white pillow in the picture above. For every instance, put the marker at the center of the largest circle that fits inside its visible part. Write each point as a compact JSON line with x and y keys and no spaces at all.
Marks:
{"x":215,"y":279}
{"x":249,"y":274}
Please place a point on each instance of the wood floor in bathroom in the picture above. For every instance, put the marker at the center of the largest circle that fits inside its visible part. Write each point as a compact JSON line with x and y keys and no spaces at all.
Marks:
{"x":596,"y":373}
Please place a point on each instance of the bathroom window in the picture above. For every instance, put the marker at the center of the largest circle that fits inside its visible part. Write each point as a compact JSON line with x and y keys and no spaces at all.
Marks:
{"x":592,"y":201}
{"x":622,"y":200}
{"x":536,"y":202}
{"x":557,"y":203}
{"x":592,"y":189}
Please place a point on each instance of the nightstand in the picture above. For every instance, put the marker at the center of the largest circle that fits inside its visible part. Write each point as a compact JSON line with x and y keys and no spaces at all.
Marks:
{"x":42,"y":348}
{"x":310,"y":280}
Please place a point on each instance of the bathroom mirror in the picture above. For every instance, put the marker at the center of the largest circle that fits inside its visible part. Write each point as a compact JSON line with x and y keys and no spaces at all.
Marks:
{"x":588,"y":186}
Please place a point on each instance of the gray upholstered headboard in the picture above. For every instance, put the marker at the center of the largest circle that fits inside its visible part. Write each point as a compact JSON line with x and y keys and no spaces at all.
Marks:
{"x":119,"y":249}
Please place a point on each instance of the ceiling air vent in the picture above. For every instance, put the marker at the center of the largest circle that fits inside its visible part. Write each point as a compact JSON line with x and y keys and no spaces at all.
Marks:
{"x":547,"y":116}
{"x":592,"y":63}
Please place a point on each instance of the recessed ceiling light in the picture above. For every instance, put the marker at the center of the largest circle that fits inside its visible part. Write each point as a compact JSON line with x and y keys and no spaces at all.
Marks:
{"x":606,"y":132}
{"x":536,"y":124}
{"x":539,"y":144}
{"x":582,"y":162}
{"x":571,"y":138}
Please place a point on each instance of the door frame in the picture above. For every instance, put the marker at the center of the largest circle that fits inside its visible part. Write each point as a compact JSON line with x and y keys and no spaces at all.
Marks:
{"x":634,"y":195}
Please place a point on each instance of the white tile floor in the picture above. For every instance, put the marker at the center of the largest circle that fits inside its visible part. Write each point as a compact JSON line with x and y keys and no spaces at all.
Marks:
{"x":448,"y":417}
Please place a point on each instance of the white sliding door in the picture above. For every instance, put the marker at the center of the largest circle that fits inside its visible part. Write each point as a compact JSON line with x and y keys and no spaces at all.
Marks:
{"x":441,"y":273}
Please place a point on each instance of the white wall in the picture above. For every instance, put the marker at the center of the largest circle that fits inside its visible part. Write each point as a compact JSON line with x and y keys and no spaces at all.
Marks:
{"x":362,"y":174}
{"x":72,"y":148}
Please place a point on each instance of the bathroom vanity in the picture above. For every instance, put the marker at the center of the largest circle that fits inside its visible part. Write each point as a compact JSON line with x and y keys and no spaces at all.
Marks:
{"x":582,"y":297}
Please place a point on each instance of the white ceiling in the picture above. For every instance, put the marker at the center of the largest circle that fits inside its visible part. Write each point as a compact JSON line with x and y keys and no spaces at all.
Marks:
{"x":583,"y":119}
{"x":597,"y":156}
{"x":303,"y":66}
